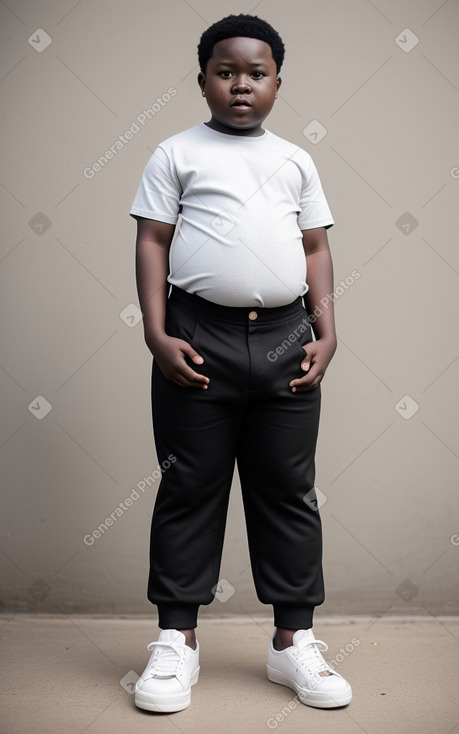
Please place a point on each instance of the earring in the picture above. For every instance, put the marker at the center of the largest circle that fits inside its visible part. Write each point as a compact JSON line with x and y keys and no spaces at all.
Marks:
{"x":276,"y":96}
{"x":203,"y":93}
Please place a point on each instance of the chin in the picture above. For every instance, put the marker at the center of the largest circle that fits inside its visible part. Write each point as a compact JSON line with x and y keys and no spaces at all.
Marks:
{"x":242,"y":125}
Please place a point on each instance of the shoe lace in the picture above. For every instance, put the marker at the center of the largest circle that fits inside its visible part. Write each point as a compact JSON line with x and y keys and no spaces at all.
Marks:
{"x":167,"y":659}
{"x":308,"y":654}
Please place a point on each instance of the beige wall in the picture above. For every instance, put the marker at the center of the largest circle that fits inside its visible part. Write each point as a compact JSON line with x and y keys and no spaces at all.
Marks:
{"x":389,"y":163}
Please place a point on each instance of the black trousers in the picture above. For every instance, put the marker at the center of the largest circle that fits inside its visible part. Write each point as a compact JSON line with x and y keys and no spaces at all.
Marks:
{"x":248,"y":414}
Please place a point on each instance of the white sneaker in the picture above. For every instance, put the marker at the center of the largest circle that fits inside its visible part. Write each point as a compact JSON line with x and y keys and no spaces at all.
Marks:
{"x":300,"y":667}
{"x":165,"y":684}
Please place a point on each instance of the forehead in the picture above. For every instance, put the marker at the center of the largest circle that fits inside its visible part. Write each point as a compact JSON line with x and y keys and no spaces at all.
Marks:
{"x":242,"y":50}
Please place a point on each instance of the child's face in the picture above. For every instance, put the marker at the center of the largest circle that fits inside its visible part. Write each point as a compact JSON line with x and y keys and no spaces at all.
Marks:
{"x":240,"y":70}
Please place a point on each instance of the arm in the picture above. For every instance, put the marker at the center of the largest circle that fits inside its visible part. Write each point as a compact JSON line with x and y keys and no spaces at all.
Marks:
{"x":152,"y":268}
{"x":320,"y":280}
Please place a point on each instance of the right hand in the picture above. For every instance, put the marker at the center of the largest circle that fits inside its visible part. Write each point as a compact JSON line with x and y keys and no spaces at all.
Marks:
{"x":170,"y":352}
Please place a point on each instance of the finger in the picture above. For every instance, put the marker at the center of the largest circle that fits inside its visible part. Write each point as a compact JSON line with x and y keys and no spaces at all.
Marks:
{"x":309,"y":351}
{"x":193,"y":378}
{"x":306,"y":364}
{"x":305,"y":387}
{"x":190,"y":378}
{"x":312,"y":379}
{"x":184,"y":382}
{"x":192,"y":353}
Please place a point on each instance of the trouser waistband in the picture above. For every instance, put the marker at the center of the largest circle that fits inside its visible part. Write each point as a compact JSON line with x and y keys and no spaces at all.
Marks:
{"x":236,"y":314}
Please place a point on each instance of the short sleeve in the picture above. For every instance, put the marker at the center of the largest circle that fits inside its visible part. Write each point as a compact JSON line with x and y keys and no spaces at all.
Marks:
{"x":159,"y":192}
{"x":314,"y":209}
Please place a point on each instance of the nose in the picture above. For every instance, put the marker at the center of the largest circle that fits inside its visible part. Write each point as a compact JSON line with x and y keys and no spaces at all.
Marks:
{"x":241,"y":84}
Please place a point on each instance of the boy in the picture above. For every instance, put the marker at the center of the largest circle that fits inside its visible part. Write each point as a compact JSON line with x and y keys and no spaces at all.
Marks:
{"x":236,"y":371}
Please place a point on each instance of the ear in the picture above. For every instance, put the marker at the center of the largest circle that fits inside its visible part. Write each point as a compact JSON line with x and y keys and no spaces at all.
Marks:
{"x":201,"y":81}
{"x":278,"y":83}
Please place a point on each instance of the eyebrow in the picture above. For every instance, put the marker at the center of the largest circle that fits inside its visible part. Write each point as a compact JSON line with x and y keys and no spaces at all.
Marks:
{"x":231,"y":63}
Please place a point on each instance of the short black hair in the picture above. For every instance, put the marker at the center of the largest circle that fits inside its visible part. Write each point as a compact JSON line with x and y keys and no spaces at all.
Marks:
{"x":234,"y":26}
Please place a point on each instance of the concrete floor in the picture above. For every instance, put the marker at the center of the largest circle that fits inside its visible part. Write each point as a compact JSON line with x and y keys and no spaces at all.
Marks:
{"x":61,"y":675}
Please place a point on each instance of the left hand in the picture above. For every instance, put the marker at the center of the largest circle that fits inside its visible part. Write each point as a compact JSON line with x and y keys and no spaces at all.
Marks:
{"x":317,"y":357}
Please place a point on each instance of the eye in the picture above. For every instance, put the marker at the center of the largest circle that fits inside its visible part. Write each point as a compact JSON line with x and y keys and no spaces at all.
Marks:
{"x":225,"y":74}
{"x":258,"y":74}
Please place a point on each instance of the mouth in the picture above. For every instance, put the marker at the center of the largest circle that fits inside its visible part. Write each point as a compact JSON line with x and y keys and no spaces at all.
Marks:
{"x":241,"y":103}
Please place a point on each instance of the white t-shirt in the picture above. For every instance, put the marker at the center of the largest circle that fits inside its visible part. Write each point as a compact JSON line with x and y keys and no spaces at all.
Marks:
{"x":243,"y":203}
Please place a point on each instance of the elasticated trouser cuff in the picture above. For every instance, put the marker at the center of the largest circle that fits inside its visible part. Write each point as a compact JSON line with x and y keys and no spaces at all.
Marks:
{"x":178,"y":616}
{"x":293,"y":618}
{"x":185,"y":616}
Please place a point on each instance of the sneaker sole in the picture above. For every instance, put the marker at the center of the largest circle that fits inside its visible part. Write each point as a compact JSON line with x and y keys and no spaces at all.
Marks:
{"x":165,"y":704}
{"x":310,"y":698}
